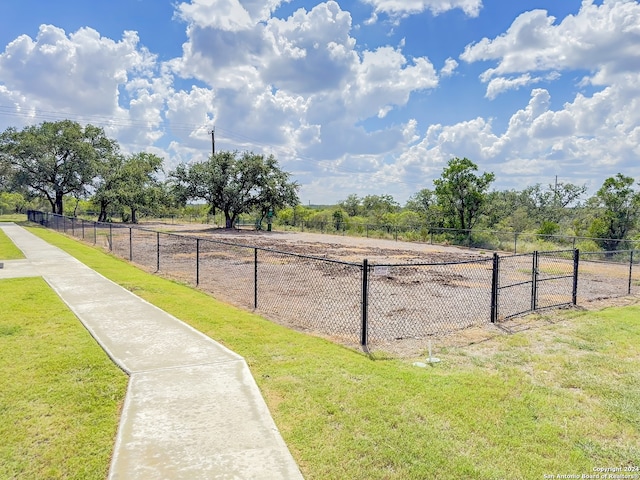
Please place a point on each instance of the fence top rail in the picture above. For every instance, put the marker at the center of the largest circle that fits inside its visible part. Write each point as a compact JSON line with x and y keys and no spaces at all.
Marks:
{"x":431,"y":264}
{"x":553,"y":252}
{"x":514,"y":255}
{"x":610,"y":252}
{"x":310,"y":257}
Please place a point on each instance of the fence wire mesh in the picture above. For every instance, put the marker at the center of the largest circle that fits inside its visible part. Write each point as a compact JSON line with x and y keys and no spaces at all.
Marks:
{"x":310,"y":293}
{"x":177,"y":257}
{"x":144,"y":250}
{"x":227,"y":271}
{"x":119,"y":239}
{"x":515,"y":280}
{"x":374,"y":304}
{"x":419,"y":300}
{"x":554,"y":279}
{"x":608,"y":274}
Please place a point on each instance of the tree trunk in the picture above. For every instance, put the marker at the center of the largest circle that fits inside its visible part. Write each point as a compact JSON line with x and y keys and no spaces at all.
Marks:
{"x":133,"y":215}
{"x":102,"y":216}
{"x":58,"y":206}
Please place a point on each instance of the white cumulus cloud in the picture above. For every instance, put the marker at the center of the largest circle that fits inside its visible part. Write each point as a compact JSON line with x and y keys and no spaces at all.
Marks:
{"x":602,"y":39}
{"x":436,"y":7}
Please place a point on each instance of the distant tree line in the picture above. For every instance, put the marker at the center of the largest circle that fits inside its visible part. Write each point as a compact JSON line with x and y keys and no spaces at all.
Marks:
{"x":461,"y":200}
{"x":66,"y":164}
{"x":69,"y":166}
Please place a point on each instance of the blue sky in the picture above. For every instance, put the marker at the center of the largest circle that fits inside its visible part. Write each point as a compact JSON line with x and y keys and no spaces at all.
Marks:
{"x":364,"y":96}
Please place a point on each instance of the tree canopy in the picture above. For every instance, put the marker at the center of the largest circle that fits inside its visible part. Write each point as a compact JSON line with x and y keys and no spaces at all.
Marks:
{"x":617,"y":207}
{"x":55,"y":159}
{"x":461,"y":193}
{"x":236,"y":183}
{"x":128,"y":182}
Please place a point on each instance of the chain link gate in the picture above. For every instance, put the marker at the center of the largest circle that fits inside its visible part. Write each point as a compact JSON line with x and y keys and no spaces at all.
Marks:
{"x":528,"y":282}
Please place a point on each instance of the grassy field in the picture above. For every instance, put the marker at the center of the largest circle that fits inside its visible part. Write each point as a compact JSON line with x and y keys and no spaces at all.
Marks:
{"x":13,"y":217}
{"x":559,"y":399}
{"x":8,"y":251}
{"x":60,"y":395}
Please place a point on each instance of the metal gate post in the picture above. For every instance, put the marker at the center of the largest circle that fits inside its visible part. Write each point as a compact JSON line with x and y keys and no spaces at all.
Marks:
{"x":494,"y":288}
{"x":255,"y":278}
{"x":197,"y":262}
{"x":157,"y":251}
{"x":630,"y":271}
{"x":534,"y":282}
{"x":365,"y":302}
{"x":576,"y":264}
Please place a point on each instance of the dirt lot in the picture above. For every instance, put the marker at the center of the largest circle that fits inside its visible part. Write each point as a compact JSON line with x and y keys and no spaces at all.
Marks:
{"x":313,"y":282}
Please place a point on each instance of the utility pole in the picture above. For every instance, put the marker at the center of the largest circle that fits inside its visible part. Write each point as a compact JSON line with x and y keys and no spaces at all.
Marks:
{"x":213,"y":140}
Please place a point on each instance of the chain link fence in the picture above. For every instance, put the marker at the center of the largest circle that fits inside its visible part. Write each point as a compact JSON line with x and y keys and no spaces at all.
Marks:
{"x":607,"y":274}
{"x":419,"y":300}
{"x":508,"y":241}
{"x":362,"y":302}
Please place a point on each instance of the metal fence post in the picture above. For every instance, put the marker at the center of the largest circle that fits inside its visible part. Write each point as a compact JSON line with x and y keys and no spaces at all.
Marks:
{"x":255,"y":278}
{"x":130,"y":244}
{"x":630,"y":271}
{"x":95,"y":233}
{"x":82,"y":224}
{"x":494,"y":288}
{"x":110,"y":238}
{"x":157,"y":251}
{"x":515,"y":243}
{"x":576,"y":265}
{"x":365,"y":302}
{"x":197,"y":262}
{"x":534,"y":282}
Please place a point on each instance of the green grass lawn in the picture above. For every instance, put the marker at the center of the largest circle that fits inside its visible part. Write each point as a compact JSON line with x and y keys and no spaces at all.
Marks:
{"x":8,"y":251}
{"x":60,"y":395}
{"x":13,"y":217}
{"x":559,"y":399}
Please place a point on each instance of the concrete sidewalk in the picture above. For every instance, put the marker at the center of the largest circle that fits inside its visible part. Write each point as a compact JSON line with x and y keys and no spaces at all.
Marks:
{"x":192,"y":410}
